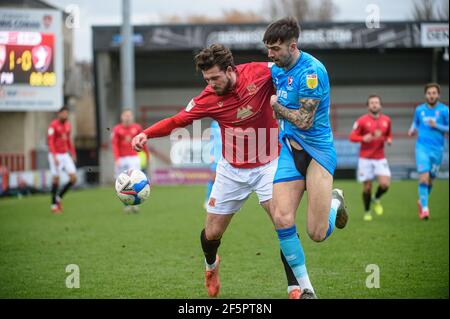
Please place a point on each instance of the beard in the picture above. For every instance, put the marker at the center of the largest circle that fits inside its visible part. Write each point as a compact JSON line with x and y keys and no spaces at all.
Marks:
{"x":374,"y":112}
{"x":432,"y":102}
{"x":224,"y":90}
{"x":283,"y":62}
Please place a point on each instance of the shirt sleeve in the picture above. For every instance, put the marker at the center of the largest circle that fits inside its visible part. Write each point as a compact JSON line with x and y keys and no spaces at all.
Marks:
{"x":115,"y":143}
{"x":443,"y":127}
{"x":51,"y":139}
{"x":389,"y":132}
{"x":70,"y":143}
{"x":193,"y":111}
{"x":356,"y":133}
{"x":313,"y":84}
{"x":416,"y":121}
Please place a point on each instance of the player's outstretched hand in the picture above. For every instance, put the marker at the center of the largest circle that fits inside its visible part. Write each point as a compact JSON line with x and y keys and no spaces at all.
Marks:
{"x":139,"y":141}
{"x":412,"y":132}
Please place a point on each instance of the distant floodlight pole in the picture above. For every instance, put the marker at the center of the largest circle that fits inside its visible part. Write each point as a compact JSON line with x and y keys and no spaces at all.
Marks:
{"x":127,"y":58}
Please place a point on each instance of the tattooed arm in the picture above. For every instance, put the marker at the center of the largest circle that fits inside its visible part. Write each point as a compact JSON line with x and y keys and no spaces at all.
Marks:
{"x":303,"y":118}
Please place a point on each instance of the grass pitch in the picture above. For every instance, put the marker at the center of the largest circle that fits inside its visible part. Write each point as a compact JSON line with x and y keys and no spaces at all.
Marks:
{"x":157,"y":254}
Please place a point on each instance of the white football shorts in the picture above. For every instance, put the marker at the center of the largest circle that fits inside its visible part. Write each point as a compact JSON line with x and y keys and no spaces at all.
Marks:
{"x":127,"y":162}
{"x":233,"y":186}
{"x":368,"y":169}
{"x":65,"y":163}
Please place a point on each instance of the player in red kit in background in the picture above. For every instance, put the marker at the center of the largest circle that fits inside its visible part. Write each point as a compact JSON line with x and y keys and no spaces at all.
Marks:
{"x":373,"y":130}
{"x":125,"y":157}
{"x":61,"y":157}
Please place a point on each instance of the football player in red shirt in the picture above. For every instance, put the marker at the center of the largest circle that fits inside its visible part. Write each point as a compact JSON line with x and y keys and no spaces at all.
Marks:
{"x":237,"y":97}
{"x":373,"y":130}
{"x":125,"y":157}
{"x":61,"y":157}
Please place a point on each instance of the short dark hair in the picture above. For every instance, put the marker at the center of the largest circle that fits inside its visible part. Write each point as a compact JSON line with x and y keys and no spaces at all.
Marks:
{"x":372,"y":96}
{"x":282,"y":30}
{"x":216,"y":54}
{"x":63,"y":108}
{"x":432,"y":85}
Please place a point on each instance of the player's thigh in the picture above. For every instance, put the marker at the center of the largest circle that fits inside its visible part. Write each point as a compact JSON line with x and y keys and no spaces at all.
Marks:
{"x":261,"y":180}
{"x":268,"y":207}
{"x":55,"y":170}
{"x":365,"y":170}
{"x":382,"y":169}
{"x":229,"y":191}
{"x":285,"y":201}
{"x":216,"y":224}
{"x":68,"y":165}
{"x":135,"y":162}
{"x":436,"y":160}
{"x":423,"y":161}
{"x":124,"y":165}
{"x":319,"y":183}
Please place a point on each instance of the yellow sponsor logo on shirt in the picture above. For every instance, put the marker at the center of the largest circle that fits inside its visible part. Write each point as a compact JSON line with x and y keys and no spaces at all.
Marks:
{"x":312,"y":81}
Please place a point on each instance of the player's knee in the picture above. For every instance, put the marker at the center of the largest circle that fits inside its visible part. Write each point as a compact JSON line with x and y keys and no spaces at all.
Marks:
{"x":282,"y":218}
{"x":73,"y":179}
{"x":317,"y":235}
{"x":55,"y":180}
{"x":367,"y":187}
{"x":384,"y":185}
{"x":213,"y":233}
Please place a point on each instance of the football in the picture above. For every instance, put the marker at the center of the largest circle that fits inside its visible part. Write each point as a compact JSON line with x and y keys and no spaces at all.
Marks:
{"x":132,"y":187}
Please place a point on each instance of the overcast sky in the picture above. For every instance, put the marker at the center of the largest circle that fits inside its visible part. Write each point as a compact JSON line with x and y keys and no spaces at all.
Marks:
{"x":151,"y":11}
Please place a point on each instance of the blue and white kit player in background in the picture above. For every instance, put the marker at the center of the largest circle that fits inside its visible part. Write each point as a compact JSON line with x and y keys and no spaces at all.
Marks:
{"x":216,"y":154}
{"x":307,"y":158}
{"x":431,"y":123}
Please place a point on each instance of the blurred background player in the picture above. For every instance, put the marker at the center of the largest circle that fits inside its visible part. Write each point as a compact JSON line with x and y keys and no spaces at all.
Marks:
{"x":61,"y":157}
{"x":431,"y":124}
{"x":216,"y":154}
{"x":373,"y":130}
{"x":125,"y":157}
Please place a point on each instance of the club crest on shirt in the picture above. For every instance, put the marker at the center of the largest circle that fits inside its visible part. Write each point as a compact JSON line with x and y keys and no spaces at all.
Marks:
{"x":220,"y":104}
{"x":312,"y":81}
{"x":244,"y":112}
{"x":252,"y":88}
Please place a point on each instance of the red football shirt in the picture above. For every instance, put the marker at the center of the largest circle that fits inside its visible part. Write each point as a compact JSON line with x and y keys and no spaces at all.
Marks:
{"x":380,"y":128}
{"x":121,"y":139}
{"x":58,"y":135}
{"x":248,"y":128}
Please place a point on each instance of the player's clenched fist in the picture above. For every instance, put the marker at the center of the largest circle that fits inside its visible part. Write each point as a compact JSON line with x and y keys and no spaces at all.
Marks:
{"x":273,"y":100}
{"x":139,"y":141}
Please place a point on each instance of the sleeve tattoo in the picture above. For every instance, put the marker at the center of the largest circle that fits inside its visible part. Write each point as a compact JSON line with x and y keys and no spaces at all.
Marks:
{"x":303,"y":118}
